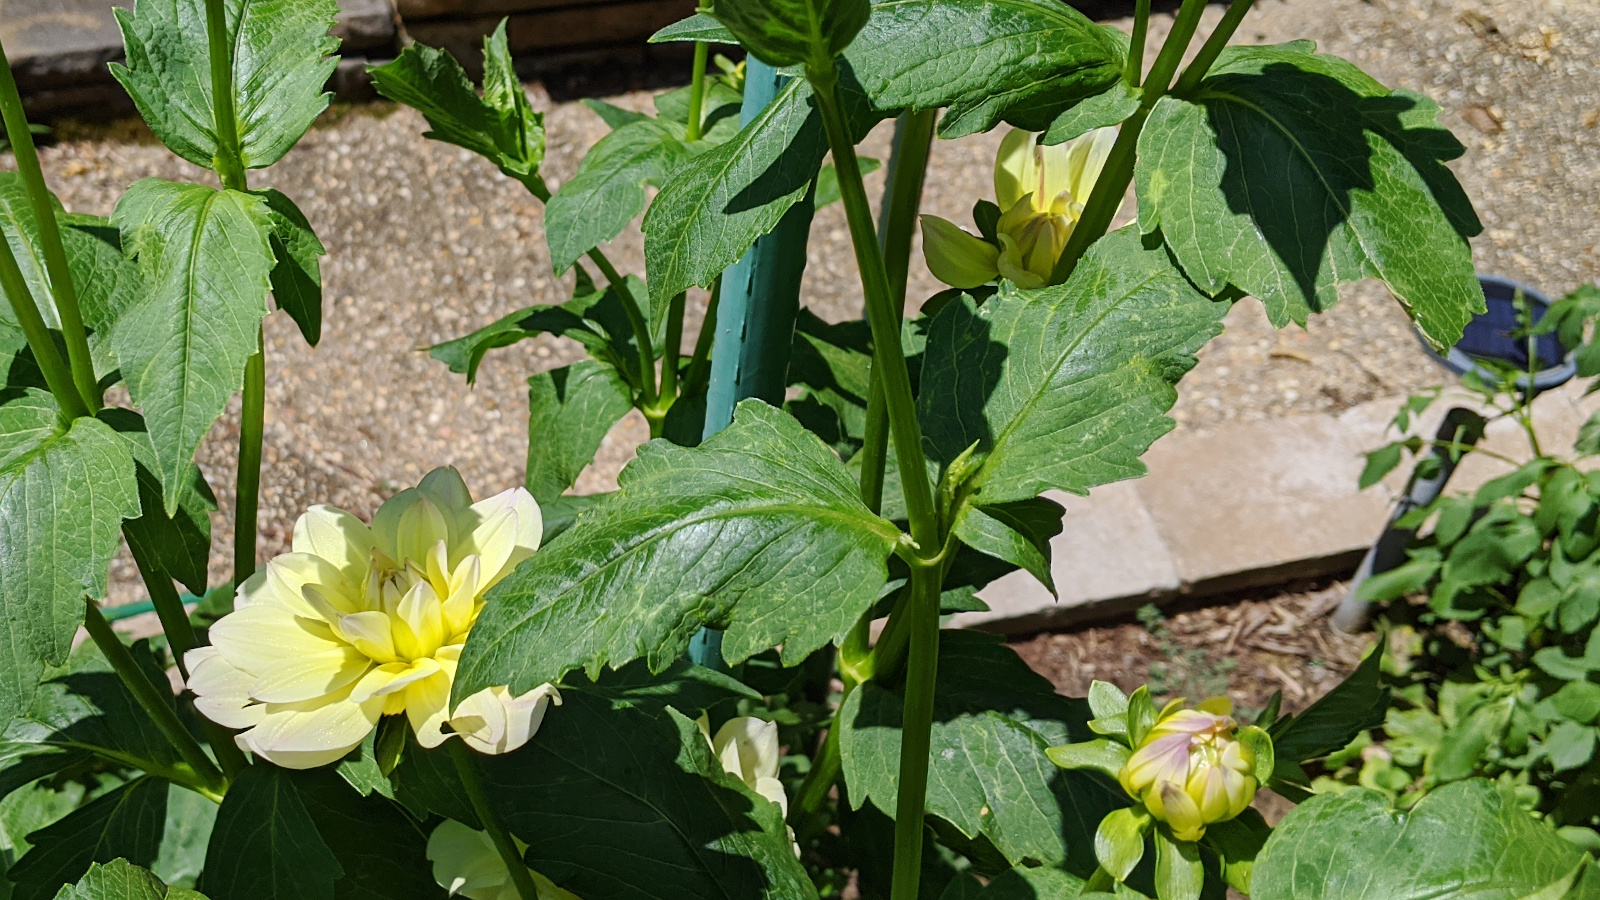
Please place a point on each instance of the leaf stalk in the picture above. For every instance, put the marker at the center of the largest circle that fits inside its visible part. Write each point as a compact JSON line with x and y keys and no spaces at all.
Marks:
{"x":472,"y":781}
{"x":57,"y":375}
{"x":62,"y":289}
{"x":1112,"y":186}
{"x":155,"y":703}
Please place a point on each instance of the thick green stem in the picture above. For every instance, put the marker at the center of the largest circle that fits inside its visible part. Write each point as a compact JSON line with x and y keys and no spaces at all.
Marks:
{"x":1212,"y":48}
{"x":57,"y":375}
{"x":156,"y":703}
{"x":229,"y":161}
{"x":472,"y":781}
{"x":885,"y":316}
{"x":874,"y":445}
{"x":181,"y":638}
{"x":1141,"y":27}
{"x":916,"y":730}
{"x":699,"y":371}
{"x":247,"y":495}
{"x":603,"y":263}
{"x":1112,"y":185}
{"x":62,"y":288}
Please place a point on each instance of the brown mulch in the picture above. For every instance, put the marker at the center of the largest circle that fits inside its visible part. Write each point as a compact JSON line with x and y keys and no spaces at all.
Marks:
{"x":1247,"y":646}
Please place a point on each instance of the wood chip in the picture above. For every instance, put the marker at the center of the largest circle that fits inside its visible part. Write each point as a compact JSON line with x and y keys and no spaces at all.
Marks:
{"x":1290,"y":685}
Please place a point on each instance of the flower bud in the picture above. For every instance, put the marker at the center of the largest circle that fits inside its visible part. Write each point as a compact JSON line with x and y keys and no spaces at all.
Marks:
{"x":1191,"y":769}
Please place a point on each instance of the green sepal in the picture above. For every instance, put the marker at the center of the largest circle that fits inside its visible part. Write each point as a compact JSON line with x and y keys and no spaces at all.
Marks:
{"x":1260,"y":743}
{"x":1179,"y":873}
{"x":1106,"y":700}
{"x":1119,"y":841}
{"x":1102,"y":756}
{"x":1141,"y":715}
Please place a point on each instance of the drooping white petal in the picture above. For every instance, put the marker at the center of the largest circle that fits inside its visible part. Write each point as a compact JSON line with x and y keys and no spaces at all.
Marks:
{"x":222,"y":691}
{"x":336,"y":536}
{"x":492,"y":721}
{"x":258,"y":637}
{"x":312,"y":733}
{"x":755,"y":742}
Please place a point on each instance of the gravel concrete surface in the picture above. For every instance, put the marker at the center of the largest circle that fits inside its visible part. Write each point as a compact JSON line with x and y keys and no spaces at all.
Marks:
{"x":427,"y":242}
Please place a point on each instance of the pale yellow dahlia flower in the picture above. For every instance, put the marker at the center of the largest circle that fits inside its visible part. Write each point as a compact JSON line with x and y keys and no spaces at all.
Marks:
{"x":747,"y":747}
{"x":466,"y":864}
{"x":357,"y":623}
{"x":1041,"y":192}
{"x":1191,"y":770}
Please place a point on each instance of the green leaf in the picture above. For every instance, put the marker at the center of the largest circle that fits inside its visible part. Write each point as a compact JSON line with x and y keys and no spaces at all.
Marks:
{"x":1101,"y":755}
{"x":1577,"y":700}
{"x":1466,"y":839}
{"x":190,"y":818}
{"x":125,"y":822}
{"x":179,"y":544}
{"x":1018,"y":532}
{"x":1410,"y":577}
{"x":426,"y":783}
{"x":1555,"y":661}
{"x":121,"y":880}
{"x":281,"y":62}
{"x":758,"y":532}
{"x":687,"y":688}
{"x":1588,"y":442}
{"x":206,"y":258}
{"x":1356,"y":704}
{"x":790,"y":32}
{"x":606,"y":778}
{"x":1119,"y":841}
{"x":702,"y":27}
{"x":1381,"y":462}
{"x":1110,"y":107}
{"x":265,"y":845}
{"x":501,"y":126}
{"x":1179,"y":873}
{"x":988,"y":773}
{"x":86,"y":707}
{"x":1021,"y":61}
{"x":1021,"y":883}
{"x":608,"y":190}
{"x":1072,"y":381}
{"x":382,"y":850}
{"x":1238,"y":841}
{"x":710,"y":212}
{"x":1569,"y":745}
{"x":297,"y":268}
{"x":1289,"y":173}
{"x":63,"y":495}
{"x":570,"y":409}
{"x":106,"y":281}
{"x":593,"y":317}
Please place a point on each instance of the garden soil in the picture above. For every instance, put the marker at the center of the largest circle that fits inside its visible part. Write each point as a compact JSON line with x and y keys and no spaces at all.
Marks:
{"x":427,"y":242}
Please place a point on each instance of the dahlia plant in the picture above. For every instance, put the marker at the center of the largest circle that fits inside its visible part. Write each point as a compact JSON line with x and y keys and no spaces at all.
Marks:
{"x":727,"y":678}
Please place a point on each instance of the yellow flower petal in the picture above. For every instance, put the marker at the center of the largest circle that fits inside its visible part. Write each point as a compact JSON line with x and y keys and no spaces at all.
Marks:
{"x":1016,"y":168}
{"x":282,"y":582}
{"x":447,"y":491}
{"x":258,"y":637}
{"x":1181,"y":813}
{"x":390,"y":678}
{"x":956,"y":257}
{"x":428,"y":708}
{"x":507,"y":529}
{"x":313,"y":733}
{"x":332,"y":534}
{"x":370,"y":632}
{"x":310,"y":676}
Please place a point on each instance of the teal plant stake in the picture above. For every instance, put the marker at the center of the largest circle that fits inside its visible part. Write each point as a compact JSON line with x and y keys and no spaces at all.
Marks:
{"x":755,"y":321}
